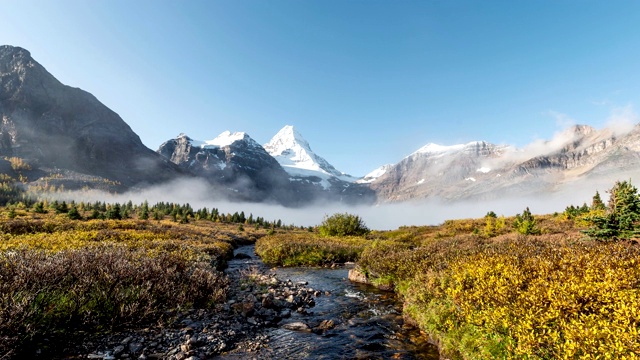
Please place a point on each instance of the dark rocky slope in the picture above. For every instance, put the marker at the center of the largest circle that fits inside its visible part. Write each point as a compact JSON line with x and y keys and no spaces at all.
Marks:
{"x":53,"y":126}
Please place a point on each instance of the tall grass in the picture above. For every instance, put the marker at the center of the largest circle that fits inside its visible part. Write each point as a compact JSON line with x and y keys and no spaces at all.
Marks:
{"x":308,"y":249}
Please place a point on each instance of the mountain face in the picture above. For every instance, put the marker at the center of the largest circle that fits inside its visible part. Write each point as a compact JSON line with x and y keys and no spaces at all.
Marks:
{"x":234,"y":161}
{"x":481,"y":170}
{"x":293,"y":152}
{"x":434,"y":170}
{"x":65,"y":130}
{"x":306,"y":168}
{"x":243,"y":170}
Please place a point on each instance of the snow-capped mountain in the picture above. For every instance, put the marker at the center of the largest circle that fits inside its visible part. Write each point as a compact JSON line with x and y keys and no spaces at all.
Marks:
{"x":68,"y":133}
{"x":246,"y":171}
{"x":435,"y":170}
{"x":372,"y":176}
{"x":226,"y":138}
{"x":234,"y":161}
{"x":294,"y":154}
{"x":577,"y":157}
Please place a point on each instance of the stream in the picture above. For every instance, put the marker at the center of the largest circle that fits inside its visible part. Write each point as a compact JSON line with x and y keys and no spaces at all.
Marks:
{"x":367,"y":323}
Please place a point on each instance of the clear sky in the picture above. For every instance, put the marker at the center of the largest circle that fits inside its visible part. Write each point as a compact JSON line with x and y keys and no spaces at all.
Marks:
{"x":365,"y":82}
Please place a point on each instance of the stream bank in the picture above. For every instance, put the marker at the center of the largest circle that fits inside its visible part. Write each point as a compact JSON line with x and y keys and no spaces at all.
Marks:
{"x":289,"y":313}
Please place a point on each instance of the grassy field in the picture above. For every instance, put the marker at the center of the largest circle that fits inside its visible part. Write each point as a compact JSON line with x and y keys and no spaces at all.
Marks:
{"x":494,"y":287}
{"x":482,"y":290}
{"x":60,"y":278}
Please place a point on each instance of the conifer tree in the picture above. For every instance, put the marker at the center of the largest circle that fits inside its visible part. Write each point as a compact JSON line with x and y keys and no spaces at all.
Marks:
{"x":596,"y":202}
{"x":622,"y":214}
{"x":73,"y":214}
{"x":113,"y":212}
{"x":526,"y":224}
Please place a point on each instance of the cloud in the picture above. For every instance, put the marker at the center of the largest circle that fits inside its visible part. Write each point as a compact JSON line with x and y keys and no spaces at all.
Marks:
{"x":538,"y":147}
{"x":622,"y":120}
{"x":563,"y":121}
{"x":379,"y":217}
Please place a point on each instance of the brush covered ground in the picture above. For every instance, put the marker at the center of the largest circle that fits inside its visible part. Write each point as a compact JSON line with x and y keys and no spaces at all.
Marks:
{"x":496,"y":287}
{"x":63,"y":278}
{"x":521,"y":287}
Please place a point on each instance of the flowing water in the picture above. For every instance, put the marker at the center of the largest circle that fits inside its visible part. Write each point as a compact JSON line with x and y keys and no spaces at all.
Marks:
{"x":368,"y":322}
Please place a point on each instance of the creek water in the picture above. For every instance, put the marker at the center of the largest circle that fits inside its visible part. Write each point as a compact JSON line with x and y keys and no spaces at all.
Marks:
{"x":368,"y":322}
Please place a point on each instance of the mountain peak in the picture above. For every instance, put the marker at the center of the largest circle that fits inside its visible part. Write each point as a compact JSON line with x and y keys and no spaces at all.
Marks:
{"x":287,"y":138}
{"x":15,"y":51}
{"x":580,"y":130}
{"x":227,"y":138}
{"x":295,"y":155}
{"x":67,"y":128}
{"x":435,"y":149}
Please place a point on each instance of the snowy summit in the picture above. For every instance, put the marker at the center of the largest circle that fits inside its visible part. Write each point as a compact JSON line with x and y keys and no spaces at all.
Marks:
{"x":226,"y":138}
{"x":370,"y":177}
{"x":294,"y":154}
{"x":435,"y":149}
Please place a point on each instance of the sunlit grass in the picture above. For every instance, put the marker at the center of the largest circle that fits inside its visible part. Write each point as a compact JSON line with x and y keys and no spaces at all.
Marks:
{"x":308,"y":249}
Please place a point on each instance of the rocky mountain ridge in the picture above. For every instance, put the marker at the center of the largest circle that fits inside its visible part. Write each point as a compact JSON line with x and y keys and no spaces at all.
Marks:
{"x":481,"y":170}
{"x":67,"y":136}
{"x":54,"y":126}
{"x":244,"y":170}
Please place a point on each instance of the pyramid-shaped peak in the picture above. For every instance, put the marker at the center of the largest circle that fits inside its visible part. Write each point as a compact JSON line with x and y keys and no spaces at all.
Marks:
{"x":287,"y":138}
{"x":295,"y":155}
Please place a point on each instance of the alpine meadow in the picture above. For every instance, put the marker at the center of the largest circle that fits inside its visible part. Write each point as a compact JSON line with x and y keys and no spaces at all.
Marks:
{"x":319,"y":180}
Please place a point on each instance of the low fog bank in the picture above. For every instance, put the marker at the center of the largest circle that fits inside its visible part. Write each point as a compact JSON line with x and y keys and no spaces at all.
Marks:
{"x":379,"y":217}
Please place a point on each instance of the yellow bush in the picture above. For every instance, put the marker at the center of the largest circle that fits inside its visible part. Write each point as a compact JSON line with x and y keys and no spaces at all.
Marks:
{"x":18,"y":164}
{"x":534,"y":299}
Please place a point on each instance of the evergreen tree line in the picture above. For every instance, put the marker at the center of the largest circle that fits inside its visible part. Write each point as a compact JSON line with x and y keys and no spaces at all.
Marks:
{"x":182,"y":213}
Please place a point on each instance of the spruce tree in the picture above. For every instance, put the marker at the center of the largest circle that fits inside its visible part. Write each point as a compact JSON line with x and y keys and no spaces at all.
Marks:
{"x":73,"y":214}
{"x":596,"y":202}
{"x":622,"y":214}
{"x":113,"y":212}
{"x":526,"y":224}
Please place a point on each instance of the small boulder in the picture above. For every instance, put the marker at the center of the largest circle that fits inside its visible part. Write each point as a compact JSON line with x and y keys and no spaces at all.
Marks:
{"x":297,"y":326}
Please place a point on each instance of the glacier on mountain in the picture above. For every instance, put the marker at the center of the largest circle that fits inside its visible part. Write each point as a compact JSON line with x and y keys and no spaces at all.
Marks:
{"x":294,"y":154}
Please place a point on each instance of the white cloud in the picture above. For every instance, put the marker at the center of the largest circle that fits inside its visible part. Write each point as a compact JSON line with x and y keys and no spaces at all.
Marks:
{"x":563,"y":121}
{"x":622,"y":120}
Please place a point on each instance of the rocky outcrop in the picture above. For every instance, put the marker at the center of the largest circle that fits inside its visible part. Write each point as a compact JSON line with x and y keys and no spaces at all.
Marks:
{"x":52,"y":125}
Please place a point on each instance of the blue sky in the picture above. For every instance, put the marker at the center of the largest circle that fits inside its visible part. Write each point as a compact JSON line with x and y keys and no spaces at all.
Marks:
{"x":365,"y":82}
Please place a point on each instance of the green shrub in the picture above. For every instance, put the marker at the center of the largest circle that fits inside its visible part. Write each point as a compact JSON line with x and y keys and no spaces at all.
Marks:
{"x":343,"y":225}
{"x":525,"y":224}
